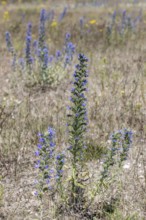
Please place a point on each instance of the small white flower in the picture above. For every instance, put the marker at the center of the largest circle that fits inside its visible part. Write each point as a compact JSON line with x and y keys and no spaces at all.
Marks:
{"x":126,"y":166}
{"x":109,"y":141}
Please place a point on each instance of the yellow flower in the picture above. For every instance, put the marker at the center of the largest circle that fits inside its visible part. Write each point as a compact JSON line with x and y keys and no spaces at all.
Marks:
{"x":122,"y":92}
{"x":4,"y":2}
{"x":138,"y":105}
{"x":92,"y":21}
{"x":6,"y":16}
{"x":54,"y":24}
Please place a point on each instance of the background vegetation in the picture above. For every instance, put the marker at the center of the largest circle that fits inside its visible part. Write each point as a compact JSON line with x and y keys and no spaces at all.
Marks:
{"x":115,"y":46}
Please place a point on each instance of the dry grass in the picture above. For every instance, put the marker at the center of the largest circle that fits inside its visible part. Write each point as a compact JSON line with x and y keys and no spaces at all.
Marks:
{"x":116,"y":99}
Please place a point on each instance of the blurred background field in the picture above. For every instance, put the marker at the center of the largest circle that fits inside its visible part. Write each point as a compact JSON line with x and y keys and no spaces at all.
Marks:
{"x":112,"y":34}
{"x":95,"y":15}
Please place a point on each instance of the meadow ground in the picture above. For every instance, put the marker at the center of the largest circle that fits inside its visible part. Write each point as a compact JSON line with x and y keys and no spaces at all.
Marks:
{"x":116,"y":99}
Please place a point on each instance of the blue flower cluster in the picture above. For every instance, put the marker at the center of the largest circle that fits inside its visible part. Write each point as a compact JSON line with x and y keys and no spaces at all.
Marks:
{"x":46,"y":156}
{"x":58,"y":55}
{"x":9,"y":41}
{"x":121,"y":142}
{"x":10,"y":48}
{"x":28,"y":56}
{"x":37,"y":54}
{"x":81,"y":22}
{"x":69,"y":50}
{"x":60,"y":159}
{"x":118,"y":152}
{"x":43,"y":52}
{"x":127,"y":23}
{"x":63,"y":14}
{"x":41,"y":40}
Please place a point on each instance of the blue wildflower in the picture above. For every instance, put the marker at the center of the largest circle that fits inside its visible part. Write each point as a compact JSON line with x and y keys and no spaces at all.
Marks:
{"x":10,"y":48}
{"x":9,"y":42}
{"x":22,"y":63}
{"x":41,"y":41}
{"x":28,"y":57}
{"x":69,"y":49}
{"x":46,"y":155}
{"x":58,"y":54}
{"x":67,"y":36}
{"x":62,"y":15}
{"x":60,"y":159}
{"x":81,"y":22}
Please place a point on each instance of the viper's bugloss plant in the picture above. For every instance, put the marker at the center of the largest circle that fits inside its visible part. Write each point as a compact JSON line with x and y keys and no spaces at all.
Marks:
{"x":118,"y":152}
{"x":45,"y":162}
{"x":58,"y":55}
{"x":44,"y":56}
{"x":11,"y":48}
{"x":60,"y":160}
{"x":59,"y":166}
{"x":78,"y":191}
{"x":9,"y":42}
{"x":77,"y":121}
{"x":123,"y":140}
{"x":69,"y":50}
{"x":78,"y":110}
{"x":81,"y":21}
{"x":110,"y":27}
{"x":28,"y":56}
{"x":41,"y":66}
{"x":121,"y":29}
{"x":62,"y":15}
{"x":41,"y":41}
{"x":21,"y":63}
{"x":43,"y":53}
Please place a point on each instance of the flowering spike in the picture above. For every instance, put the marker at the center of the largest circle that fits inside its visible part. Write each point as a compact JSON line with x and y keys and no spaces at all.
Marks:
{"x":69,"y":49}
{"x":28,"y":57}
{"x":10,"y":48}
{"x":118,"y":152}
{"x":78,"y":113}
{"x":59,"y":167}
{"x":46,"y":155}
{"x":41,"y":42}
{"x":62,"y":15}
